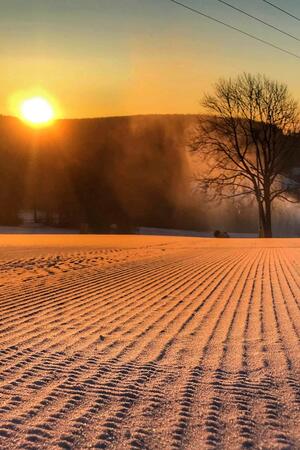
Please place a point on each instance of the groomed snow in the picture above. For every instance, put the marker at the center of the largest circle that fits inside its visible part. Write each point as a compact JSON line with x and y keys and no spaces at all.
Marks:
{"x":135,"y":342}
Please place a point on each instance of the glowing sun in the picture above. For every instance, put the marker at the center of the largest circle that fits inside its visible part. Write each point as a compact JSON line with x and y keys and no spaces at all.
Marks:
{"x":37,"y":111}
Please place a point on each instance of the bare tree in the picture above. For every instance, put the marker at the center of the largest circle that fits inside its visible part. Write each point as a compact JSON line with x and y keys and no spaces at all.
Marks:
{"x":247,"y":140}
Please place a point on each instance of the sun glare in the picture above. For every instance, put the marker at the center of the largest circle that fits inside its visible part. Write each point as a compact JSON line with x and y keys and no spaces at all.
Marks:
{"x":37,"y":111}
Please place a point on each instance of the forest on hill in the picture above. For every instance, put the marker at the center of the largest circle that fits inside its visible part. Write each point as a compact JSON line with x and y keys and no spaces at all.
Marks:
{"x":126,"y":171}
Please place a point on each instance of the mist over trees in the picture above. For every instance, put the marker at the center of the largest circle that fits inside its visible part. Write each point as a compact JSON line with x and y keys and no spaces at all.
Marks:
{"x":126,"y":171}
{"x":248,"y":140}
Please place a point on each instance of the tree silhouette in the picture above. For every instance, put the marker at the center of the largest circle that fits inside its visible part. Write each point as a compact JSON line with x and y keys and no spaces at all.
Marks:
{"x":247,"y":140}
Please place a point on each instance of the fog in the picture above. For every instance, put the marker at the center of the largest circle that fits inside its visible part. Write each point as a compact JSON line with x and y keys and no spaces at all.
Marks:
{"x":128,"y":171}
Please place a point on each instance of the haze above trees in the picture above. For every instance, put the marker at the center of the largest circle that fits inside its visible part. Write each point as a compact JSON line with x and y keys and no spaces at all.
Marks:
{"x":128,"y":171}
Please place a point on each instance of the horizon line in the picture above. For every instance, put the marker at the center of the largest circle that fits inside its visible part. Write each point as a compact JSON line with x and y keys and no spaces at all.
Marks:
{"x":9,"y":116}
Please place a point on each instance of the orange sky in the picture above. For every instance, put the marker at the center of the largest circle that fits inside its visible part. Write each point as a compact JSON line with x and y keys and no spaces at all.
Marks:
{"x":103,"y":58}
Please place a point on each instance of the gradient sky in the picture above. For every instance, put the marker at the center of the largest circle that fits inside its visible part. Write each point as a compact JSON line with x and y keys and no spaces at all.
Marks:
{"x":119,"y":57}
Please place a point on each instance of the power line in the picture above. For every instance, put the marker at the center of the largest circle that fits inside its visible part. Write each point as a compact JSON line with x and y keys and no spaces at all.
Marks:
{"x":259,"y":20}
{"x":200,"y":13}
{"x":282,"y":10}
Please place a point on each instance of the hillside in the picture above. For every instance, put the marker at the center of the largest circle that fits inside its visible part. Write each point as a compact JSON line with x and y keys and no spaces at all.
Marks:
{"x":123,"y":170}
{"x":126,"y":171}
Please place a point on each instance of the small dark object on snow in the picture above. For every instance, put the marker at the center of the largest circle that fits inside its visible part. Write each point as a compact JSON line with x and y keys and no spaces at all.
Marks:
{"x":221,"y":234}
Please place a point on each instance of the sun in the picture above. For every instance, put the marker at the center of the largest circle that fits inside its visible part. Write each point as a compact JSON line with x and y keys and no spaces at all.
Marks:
{"x":37,"y":111}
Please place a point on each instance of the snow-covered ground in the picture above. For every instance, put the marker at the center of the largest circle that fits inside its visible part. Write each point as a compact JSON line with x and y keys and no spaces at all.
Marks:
{"x":141,"y":230}
{"x":171,"y":232}
{"x":149,"y":342}
{"x":36,"y":230}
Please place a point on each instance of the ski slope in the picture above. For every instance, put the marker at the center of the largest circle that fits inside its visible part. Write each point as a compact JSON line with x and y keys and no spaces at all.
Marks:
{"x":144,"y":342}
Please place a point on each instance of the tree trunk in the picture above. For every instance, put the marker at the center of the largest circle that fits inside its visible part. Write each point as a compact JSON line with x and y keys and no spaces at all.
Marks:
{"x":268,"y":221}
{"x":261,"y":218}
{"x":265,"y":219}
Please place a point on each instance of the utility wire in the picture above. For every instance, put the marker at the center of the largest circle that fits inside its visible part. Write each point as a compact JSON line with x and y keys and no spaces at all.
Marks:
{"x":200,"y":13}
{"x":258,"y":19}
{"x":282,"y":10}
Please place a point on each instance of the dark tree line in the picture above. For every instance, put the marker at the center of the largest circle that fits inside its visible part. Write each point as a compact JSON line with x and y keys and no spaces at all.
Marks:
{"x":123,"y":171}
{"x":133,"y":171}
